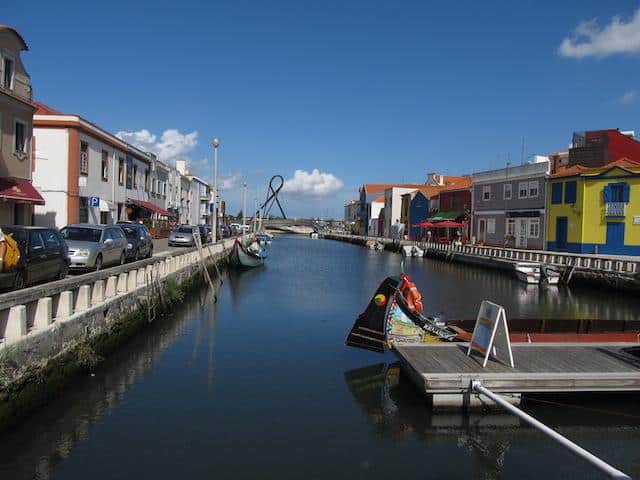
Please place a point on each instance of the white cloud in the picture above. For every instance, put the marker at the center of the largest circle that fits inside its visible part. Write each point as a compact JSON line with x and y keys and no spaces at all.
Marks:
{"x":229,"y":182}
{"x":314,"y":184}
{"x":628,"y":98}
{"x":171,"y":144}
{"x":589,"y":39}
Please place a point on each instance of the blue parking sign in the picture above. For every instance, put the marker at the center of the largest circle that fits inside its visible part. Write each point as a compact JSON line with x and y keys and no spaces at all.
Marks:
{"x":94,"y":201}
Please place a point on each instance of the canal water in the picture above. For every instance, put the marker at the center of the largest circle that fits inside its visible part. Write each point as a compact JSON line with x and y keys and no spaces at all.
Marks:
{"x":260,"y":385}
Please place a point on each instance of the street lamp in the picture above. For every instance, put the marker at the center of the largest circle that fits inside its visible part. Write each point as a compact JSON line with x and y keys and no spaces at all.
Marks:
{"x":244,"y":206}
{"x":214,"y":215}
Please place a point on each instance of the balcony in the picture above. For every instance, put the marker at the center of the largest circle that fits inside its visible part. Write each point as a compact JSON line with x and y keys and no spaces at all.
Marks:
{"x":615,"y":209}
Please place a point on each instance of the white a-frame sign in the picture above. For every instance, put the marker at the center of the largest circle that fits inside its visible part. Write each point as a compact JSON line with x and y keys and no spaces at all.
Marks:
{"x":491,"y":332}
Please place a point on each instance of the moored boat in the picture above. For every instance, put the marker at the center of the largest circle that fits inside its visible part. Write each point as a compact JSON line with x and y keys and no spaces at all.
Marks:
{"x":252,"y":256}
{"x":550,"y":275}
{"x":392,"y":317}
{"x":528,"y":272}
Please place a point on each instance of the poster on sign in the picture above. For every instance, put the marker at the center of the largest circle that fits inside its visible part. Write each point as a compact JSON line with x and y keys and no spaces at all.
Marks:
{"x":491,"y":333}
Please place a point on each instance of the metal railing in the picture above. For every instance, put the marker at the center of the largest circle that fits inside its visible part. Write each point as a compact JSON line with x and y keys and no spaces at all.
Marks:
{"x":615,"y":209}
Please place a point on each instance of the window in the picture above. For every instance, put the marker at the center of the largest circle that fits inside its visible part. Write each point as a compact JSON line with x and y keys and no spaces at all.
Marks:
{"x":146,"y":180}
{"x":7,"y":78}
{"x":534,"y":228}
{"x":84,"y":210}
{"x":506,"y":193}
{"x":135,"y":176}
{"x":84,"y":158}
{"x":129,"y":171}
{"x":486,"y":193}
{"x":51,"y":239}
{"x":511,"y":227}
{"x":616,"y":193}
{"x":121,"y":171}
{"x":104,"y":218}
{"x":20,"y":133}
{"x":533,"y":189}
{"x":105,"y":165}
{"x":491,"y":225}
{"x":556,"y":193}
{"x":523,"y":189}
{"x":35,"y":241}
{"x":570,"y":192}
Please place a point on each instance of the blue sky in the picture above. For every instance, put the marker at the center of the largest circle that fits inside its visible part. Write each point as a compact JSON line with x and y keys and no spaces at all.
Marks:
{"x":363,"y":91}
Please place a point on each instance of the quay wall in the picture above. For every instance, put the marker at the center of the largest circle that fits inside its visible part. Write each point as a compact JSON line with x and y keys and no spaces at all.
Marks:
{"x":610,"y":271}
{"x":50,"y":333}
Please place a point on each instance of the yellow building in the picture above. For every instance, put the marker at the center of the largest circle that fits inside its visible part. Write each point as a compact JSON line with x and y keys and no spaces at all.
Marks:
{"x":595,"y":210}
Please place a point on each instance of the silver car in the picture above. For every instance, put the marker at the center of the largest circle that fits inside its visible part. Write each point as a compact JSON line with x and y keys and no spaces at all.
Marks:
{"x":95,"y":246}
{"x":184,"y":235}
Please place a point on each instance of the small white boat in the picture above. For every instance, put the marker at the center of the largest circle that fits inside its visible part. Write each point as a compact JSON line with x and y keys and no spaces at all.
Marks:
{"x":551,"y":275}
{"x":528,"y":272}
{"x":407,"y":251}
{"x":314,"y":236}
{"x":417,"y":252}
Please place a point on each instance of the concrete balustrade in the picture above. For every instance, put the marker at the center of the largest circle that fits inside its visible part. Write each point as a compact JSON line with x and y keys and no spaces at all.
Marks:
{"x":65,"y":305}
{"x":83,"y":300}
{"x":97,"y":294}
{"x":43,"y":315}
{"x":27,"y":310}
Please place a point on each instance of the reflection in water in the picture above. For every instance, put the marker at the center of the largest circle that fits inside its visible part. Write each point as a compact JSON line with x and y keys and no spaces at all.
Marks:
{"x":395,"y":409}
{"x":69,"y":420}
{"x":266,"y":398}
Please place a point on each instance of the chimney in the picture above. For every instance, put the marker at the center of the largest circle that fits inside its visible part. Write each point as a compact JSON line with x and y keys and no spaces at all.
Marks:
{"x":181,"y":166}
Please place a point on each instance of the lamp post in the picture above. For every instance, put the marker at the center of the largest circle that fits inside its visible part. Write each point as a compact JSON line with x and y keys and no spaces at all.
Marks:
{"x":214,"y":215}
{"x":244,"y":206}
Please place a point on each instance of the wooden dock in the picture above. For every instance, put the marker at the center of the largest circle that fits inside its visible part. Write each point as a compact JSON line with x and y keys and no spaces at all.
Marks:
{"x":445,"y":369}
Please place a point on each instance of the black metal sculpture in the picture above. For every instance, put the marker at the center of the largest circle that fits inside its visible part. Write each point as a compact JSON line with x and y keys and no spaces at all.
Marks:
{"x":272,"y":197}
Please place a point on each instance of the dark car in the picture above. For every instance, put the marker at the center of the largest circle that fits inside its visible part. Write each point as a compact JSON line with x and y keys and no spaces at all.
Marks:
{"x":139,"y":241}
{"x":224,"y":231}
{"x":205,"y":233}
{"x":43,"y":257}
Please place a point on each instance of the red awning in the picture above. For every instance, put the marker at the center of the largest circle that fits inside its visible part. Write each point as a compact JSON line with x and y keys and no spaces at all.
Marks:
{"x":448,"y":224}
{"x":424,"y":224}
{"x":150,"y":206}
{"x":19,"y":191}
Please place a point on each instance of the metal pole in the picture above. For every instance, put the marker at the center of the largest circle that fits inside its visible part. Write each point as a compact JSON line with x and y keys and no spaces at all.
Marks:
{"x":244,"y":206}
{"x":214,"y":215}
{"x":603,"y":466}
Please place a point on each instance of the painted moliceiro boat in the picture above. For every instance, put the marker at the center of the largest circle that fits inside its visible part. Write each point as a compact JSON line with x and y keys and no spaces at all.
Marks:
{"x":392,"y":317}
{"x":252,"y":256}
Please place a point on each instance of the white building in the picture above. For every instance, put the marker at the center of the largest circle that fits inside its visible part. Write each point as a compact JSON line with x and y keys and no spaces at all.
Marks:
{"x":77,"y":161}
{"x":377,"y":207}
{"x":393,"y":206}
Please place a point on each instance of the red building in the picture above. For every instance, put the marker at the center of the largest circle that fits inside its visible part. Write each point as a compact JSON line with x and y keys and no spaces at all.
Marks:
{"x":601,"y":147}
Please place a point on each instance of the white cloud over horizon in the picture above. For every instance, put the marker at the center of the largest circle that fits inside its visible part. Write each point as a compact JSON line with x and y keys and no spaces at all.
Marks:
{"x":628,"y":98}
{"x":171,"y":144}
{"x":312,"y":184}
{"x":589,"y":39}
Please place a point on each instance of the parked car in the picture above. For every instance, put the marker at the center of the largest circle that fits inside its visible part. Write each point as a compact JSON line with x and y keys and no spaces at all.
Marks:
{"x":184,"y":236}
{"x":224,"y":231}
{"x":205,"y":233}
{"x":235,"y":228}
{"x":43,"y":257}
{"x":95,"y":246}
{"x":139,"y":241}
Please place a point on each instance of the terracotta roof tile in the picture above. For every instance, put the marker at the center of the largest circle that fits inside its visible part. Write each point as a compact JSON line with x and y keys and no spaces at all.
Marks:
{"x":42,"y":109}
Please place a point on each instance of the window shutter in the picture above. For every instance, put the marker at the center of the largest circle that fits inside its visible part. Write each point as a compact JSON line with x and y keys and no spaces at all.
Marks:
{"x":625,"y":192}
{"x":607,"y":194}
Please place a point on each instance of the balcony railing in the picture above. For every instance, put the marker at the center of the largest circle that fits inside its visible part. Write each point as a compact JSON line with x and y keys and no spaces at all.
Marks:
{"x":615,"y":209}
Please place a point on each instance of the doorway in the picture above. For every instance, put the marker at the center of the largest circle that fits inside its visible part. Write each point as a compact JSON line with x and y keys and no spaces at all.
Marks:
{"x":561,"y":233}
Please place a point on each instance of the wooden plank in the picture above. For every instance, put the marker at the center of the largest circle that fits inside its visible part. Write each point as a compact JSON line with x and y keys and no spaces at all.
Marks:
{"x":445,"y":368}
